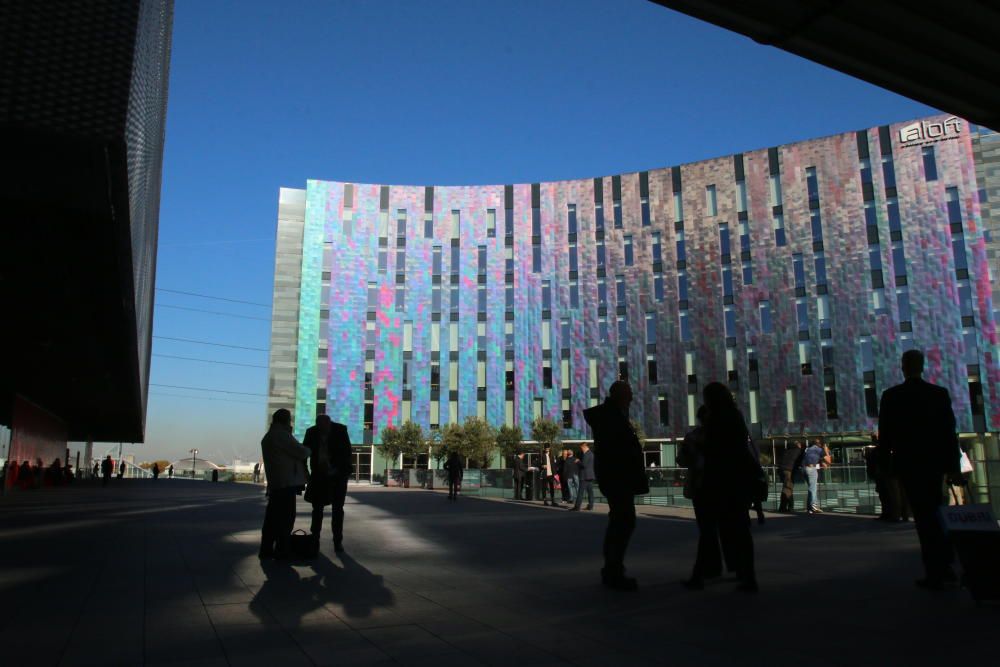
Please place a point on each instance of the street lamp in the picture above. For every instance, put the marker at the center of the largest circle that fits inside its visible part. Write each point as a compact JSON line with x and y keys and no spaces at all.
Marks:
{"x":194,"y":456}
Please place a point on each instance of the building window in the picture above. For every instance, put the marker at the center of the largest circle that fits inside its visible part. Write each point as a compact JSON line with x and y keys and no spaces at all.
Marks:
{"x":650,"y":328}
{"x":547,"y":295}
{"x":620,"y":290}
{"x":628,"y":251}
{"x":574,"y":294}
{"x":820,"y":265}
{"x":724,"y":242}
{"x":711,"y":203}
{"x":602,"y":292}
{"x":790,"y":405}
{"x":651,"y":369}
{"x":682,"y":289}
{"x":774,"y":183}
{"x":664,"y":405}
{"x":681,"y":247}
{"x":764,"y":307}
{"x":930,"y":164}
{"x":571,"y":218}
{"x":812,"y":185}
{"x":658,"y":288}
{"x":779,"y":230}
{"x":491,"y":223}
{"x":685,"y":327}
{"x":536,"y":258}
{"x":456,"y":224}
{"x":601,"y":253}
{"x":644,"y":211}
{"x":657,"y":248}
{"x":617,"y":207}
{"x":747,"y":273}
{"x":598,"y":216}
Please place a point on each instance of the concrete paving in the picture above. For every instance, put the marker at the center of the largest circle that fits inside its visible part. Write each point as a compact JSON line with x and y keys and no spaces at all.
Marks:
{"x":166,"y":573}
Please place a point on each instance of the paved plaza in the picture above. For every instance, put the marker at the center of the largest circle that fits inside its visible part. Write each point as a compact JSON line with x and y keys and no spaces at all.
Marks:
{"x":166,"y":573}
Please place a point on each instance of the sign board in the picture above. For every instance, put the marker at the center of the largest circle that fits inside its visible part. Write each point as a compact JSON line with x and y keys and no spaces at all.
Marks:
{"x":969,"y":517}
{"x":925,"y":132}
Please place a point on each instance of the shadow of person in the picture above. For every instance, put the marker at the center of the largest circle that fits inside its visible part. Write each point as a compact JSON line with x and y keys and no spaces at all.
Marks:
{"x":294,"y":591}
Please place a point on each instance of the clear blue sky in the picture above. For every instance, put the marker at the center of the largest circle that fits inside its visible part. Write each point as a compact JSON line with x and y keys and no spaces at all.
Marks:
{"x":266,"y":94}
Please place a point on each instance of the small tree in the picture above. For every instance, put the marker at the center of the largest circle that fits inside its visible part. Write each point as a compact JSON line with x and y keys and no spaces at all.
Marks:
{"x":451,"y":439}
{"x":510,"y":440}
{"x":391,"y":445}
{"x":412,"y":439}
{"x":545,"y":432}
{"x":481,"y":440}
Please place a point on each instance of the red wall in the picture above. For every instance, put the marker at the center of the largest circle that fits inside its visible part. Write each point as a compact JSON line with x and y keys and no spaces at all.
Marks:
{"x":36,"y":433}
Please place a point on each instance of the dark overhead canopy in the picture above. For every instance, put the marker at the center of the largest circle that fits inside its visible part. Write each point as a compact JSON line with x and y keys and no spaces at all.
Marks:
{"x":946,"y":55}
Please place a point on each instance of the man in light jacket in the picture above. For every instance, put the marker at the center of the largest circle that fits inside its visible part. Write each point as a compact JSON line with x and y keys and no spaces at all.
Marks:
{"x":284,"y":465}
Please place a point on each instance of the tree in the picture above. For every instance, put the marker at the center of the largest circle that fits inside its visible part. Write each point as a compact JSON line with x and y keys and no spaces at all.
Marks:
{"x":412,"y":439}
{"x":451,"y":439}
{"x":391,"y":445}
{"x":510,"y":440}
{"x":545,"y":432}
{"x":480,"y":439}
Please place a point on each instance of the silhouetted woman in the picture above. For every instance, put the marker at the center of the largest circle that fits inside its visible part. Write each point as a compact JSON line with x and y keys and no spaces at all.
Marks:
{"x":726,"y":489}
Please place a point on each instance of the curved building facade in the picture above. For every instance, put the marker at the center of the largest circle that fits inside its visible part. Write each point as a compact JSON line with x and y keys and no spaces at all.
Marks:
{"x":796,"y":274}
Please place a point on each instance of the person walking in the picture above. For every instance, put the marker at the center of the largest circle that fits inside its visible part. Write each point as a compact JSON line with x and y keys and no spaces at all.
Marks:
{"x":156,"y":470}
{"x":571,"y":477}
{"x":547,"y":471}
{"x":330,"y":466}
{"x":812,"y":459}
{"x":727,"y":487}
{"x":121,"y":469}
{"x":917,"y":425}
{"x":97,"y":469}
{"x":256,"y":472}
{"x":791,"y":461}
{"x":586,"y":468}
{"x":708,"y":560}
{"x":284,"y":464}
{"x":170,"y":471}
{"x":455,"y":470}
{"x":519,"y":470}
{"x":621,"y":476}
{"x":106,"y":467}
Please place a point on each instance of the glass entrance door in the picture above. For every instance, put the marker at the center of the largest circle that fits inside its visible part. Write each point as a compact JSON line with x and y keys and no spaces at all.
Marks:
{"x":362,"y":464}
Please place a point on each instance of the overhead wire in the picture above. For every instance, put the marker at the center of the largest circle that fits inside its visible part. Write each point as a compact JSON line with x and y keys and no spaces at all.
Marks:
{"x":220,"y":391}
{"x":209,"y":296}
{"x":208,"y":361}
{"x":213,"y":312}
{"x":205,"y":342}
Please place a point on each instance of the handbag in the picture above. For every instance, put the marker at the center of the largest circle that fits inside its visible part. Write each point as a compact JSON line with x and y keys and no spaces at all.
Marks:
{"x":964,"y":463}
{"x":303,"y":545}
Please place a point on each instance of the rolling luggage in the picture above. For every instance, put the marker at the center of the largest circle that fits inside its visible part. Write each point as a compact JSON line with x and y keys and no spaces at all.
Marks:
{"x":975,"y":535}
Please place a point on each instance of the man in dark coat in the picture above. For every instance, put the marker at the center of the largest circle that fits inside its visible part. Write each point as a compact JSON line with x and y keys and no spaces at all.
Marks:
{"x":455,"y":472}
{"x":570,"y":476}
{"x":586,"y":468}
{"x":330,"y":466}
{"x":917,"y":425}
{"x":519,"y":469}
{"x":106,"y":467}
{"x":621,"y":476}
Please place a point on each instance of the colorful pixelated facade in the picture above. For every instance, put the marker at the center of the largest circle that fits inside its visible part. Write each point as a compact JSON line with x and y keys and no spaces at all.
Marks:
{"x":797,"y":275}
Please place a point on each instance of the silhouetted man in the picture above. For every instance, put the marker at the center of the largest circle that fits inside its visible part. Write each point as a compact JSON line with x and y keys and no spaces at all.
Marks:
{"x":330,"y":466}
{"x":284,"y":465}
{"x":570,"y":476}
{"x":170,"y":471}
{"x":121,"y":470}
{"x":519,"y":469}
{"x":156,"y":470}
{"x":586,"y":468}
{"x":106,"y":467}
{"x":917,"y":425}
{"x":455,"y":471}
{"x":618,"y":462}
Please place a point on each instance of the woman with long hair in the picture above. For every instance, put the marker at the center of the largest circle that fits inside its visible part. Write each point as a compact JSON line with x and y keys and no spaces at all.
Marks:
{"x":726,"y":491}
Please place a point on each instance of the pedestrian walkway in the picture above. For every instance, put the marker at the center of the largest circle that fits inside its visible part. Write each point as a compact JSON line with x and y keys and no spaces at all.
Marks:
{"x":165,"y":572}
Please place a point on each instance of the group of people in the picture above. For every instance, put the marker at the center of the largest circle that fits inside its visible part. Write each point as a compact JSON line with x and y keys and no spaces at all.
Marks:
{"x":805,"y":461}
{"x":320,"y":465}
{"x":575,"y":474}
{"x":28,"y":476}
{"x":725,"y":478}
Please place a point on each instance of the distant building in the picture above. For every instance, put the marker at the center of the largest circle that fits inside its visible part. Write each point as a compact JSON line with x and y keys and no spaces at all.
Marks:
{"x":796,"y":274}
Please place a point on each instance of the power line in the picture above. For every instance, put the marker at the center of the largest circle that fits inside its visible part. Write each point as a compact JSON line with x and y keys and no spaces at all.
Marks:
{"x":220,"y":391}
{"x":209,"y":361}
{"x":213,"y":312}
{"x":204,"y":398}
{"x":209,"y":296}
{"x":205,"y":342}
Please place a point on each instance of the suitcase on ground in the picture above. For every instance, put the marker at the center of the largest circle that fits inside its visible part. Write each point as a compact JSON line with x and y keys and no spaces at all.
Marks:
{"x":975,"y":535}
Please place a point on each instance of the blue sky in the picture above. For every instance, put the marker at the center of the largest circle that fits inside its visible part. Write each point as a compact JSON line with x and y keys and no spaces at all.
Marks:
{"x":266,"y":95}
